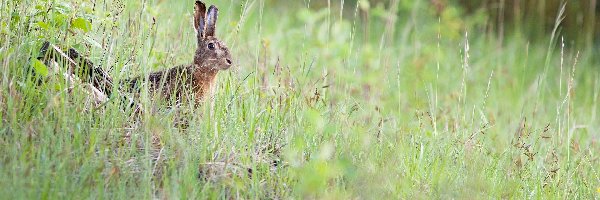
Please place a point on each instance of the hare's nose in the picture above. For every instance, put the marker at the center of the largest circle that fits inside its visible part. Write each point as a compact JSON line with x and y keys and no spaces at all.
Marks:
{"x":228,"y":61}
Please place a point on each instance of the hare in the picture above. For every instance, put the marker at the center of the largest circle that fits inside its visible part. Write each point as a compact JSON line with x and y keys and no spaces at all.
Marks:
{"x":211,"y":56}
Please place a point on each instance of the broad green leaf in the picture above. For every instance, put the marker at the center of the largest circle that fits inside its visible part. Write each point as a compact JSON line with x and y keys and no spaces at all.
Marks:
{"x":63,"y":8}
{"x":16,"y":17}
{"x":59,"y":20}
{"x":81,"y":23}
{"x":43,"y":25}
{"x":39,"y":67}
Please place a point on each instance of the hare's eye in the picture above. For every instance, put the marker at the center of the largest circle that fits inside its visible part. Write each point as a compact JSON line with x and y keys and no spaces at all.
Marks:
{"x":211,"y":46}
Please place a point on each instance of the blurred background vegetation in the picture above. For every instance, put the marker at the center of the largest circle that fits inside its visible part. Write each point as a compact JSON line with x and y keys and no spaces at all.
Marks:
{"x":532,"y":18}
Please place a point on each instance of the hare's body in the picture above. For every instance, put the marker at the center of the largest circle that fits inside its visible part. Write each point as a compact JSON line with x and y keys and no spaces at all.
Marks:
{"x":211,"y":56}
{"x":174,"y":83}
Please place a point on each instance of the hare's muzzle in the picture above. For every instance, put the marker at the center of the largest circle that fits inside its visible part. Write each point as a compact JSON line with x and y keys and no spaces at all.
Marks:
{"x":226,"y":63}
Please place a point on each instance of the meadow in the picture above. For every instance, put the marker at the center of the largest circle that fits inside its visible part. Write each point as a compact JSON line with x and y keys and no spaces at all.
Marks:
{"x":326,"y":100}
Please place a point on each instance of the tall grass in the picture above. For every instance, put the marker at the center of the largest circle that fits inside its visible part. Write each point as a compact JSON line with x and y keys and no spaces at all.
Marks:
{"x":369,"y":101}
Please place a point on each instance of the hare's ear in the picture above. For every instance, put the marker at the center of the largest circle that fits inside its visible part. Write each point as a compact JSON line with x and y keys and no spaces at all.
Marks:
{"x":211,"y":20}
{"x":199,"y":18}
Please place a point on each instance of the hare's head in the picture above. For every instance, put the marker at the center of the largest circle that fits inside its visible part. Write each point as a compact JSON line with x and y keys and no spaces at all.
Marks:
{"x":211,"y":54}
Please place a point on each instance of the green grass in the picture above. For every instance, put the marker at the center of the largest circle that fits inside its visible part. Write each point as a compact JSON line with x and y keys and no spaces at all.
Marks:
{"x":317,"y":106}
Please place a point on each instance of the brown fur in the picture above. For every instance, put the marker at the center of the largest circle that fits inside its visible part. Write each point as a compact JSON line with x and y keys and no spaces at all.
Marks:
{"x":211,"y":56}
